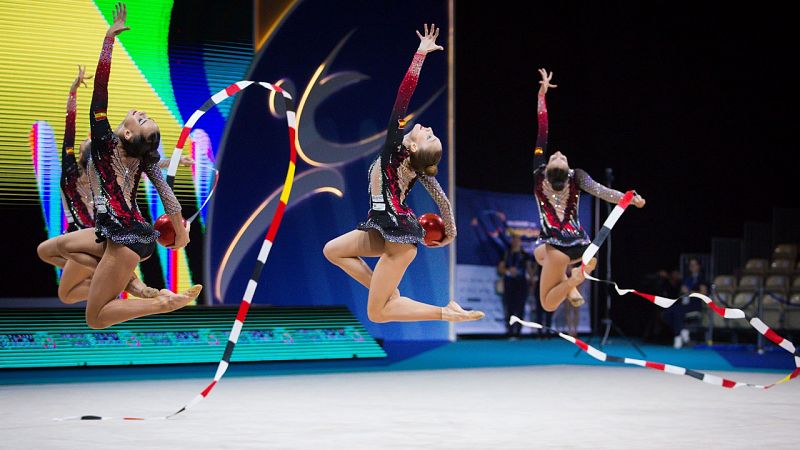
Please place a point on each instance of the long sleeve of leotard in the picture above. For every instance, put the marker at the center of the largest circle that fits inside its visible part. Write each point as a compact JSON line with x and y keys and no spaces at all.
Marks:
{"x":68,"y":160}
{"x":171,"y":204}
{"x":540,"y":151}
{"x":440,"y":198}
{"x":100,"y":128}
{"x":69,"y":165}
{"x":394,"y":131}
{"x":76,"y":209}
{"x":586,"y":183}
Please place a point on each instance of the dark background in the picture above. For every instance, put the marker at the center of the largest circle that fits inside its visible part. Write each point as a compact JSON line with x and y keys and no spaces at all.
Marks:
{"x":692,"y":105}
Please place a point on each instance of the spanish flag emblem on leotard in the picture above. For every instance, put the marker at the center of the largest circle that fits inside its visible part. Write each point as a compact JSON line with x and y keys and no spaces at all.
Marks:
{"x":538,"y":151}
{"x":70,"y":150}
{"x":100,"y":115}
{"x":401,"y":123}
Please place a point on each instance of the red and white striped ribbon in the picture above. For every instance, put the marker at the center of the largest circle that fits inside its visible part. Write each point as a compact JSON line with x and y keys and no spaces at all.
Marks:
{"x":727,"y":313}
{"x":667,"y":368}
{"x":266,"y":246}
{"x":263,"y":254}
{"x":214,"y":100}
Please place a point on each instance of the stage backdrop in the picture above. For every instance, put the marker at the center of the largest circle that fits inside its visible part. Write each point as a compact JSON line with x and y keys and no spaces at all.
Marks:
{"x":343,"y":61}
{"x":485,"y":220}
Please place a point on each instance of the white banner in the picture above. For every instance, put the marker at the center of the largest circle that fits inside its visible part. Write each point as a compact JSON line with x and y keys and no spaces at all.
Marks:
{"x":475,"y":290}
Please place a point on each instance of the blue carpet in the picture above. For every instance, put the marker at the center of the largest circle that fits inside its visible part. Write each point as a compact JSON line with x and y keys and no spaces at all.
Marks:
{"x":492,"y":353}
{"x":769,"y":360}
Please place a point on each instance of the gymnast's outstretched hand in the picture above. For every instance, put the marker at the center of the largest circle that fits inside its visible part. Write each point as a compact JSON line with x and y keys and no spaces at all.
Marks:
{"x":427,"y":42}
{"x":81,"y":78}
{"x":545,"y":82}
{"x":120,"y":15}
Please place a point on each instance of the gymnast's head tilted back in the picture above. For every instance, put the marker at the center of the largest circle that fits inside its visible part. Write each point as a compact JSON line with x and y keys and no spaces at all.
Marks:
{"x":557,"y":171}
{"x":139,"y":135}
{"x":425,"y":149}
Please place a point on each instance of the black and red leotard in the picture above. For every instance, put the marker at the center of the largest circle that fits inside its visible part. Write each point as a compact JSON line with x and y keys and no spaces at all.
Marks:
{"x":76,"y":193}
{"x":114,"y":177}
{"x":558,"y":211}
{"x":391,"y":177}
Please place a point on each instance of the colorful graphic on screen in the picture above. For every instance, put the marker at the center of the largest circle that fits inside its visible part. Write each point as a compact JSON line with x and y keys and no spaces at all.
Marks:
{"x":163,"y":65}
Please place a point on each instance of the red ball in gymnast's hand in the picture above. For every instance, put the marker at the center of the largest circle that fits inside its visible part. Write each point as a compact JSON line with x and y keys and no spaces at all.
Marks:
{"x":433,"y":226}
{"x":164,"y":226}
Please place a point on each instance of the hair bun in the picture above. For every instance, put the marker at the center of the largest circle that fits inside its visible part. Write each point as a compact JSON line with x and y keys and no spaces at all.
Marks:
{"x":431,"y":170}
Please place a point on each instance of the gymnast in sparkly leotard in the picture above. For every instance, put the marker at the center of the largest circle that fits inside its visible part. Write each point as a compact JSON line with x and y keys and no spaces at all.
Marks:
{"x":391,"y":230}
{"x":123,"y":236}
{"x":78,"y":204}
{"x":557,"y":190}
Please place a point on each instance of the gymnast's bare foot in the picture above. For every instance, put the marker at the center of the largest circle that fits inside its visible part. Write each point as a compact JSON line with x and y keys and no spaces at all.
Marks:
{"x":453,"y":312}
{"x":137,"y":288}
{"x":575,"y":298}
{"x":173,"y":301}
{"x":577,"y":276}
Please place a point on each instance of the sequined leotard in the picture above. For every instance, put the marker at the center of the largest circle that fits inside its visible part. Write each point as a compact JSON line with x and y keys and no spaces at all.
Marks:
{"x":114,"y":176}
{"x":558,"y":210}
{"x":76,"y":193}
{"x":391,"y":177}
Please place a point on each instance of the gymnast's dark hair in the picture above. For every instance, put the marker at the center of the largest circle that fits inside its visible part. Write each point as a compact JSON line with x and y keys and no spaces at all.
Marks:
{"x":557,"y":178}
{"x":144,"y":147}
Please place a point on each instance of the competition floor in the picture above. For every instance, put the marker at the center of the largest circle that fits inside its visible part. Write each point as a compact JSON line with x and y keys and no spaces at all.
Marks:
{"x":399,"y":405}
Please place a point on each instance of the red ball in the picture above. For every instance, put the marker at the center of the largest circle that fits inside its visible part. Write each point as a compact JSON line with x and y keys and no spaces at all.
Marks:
{"x":433,"y":226}
{"x":164,"y":226}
